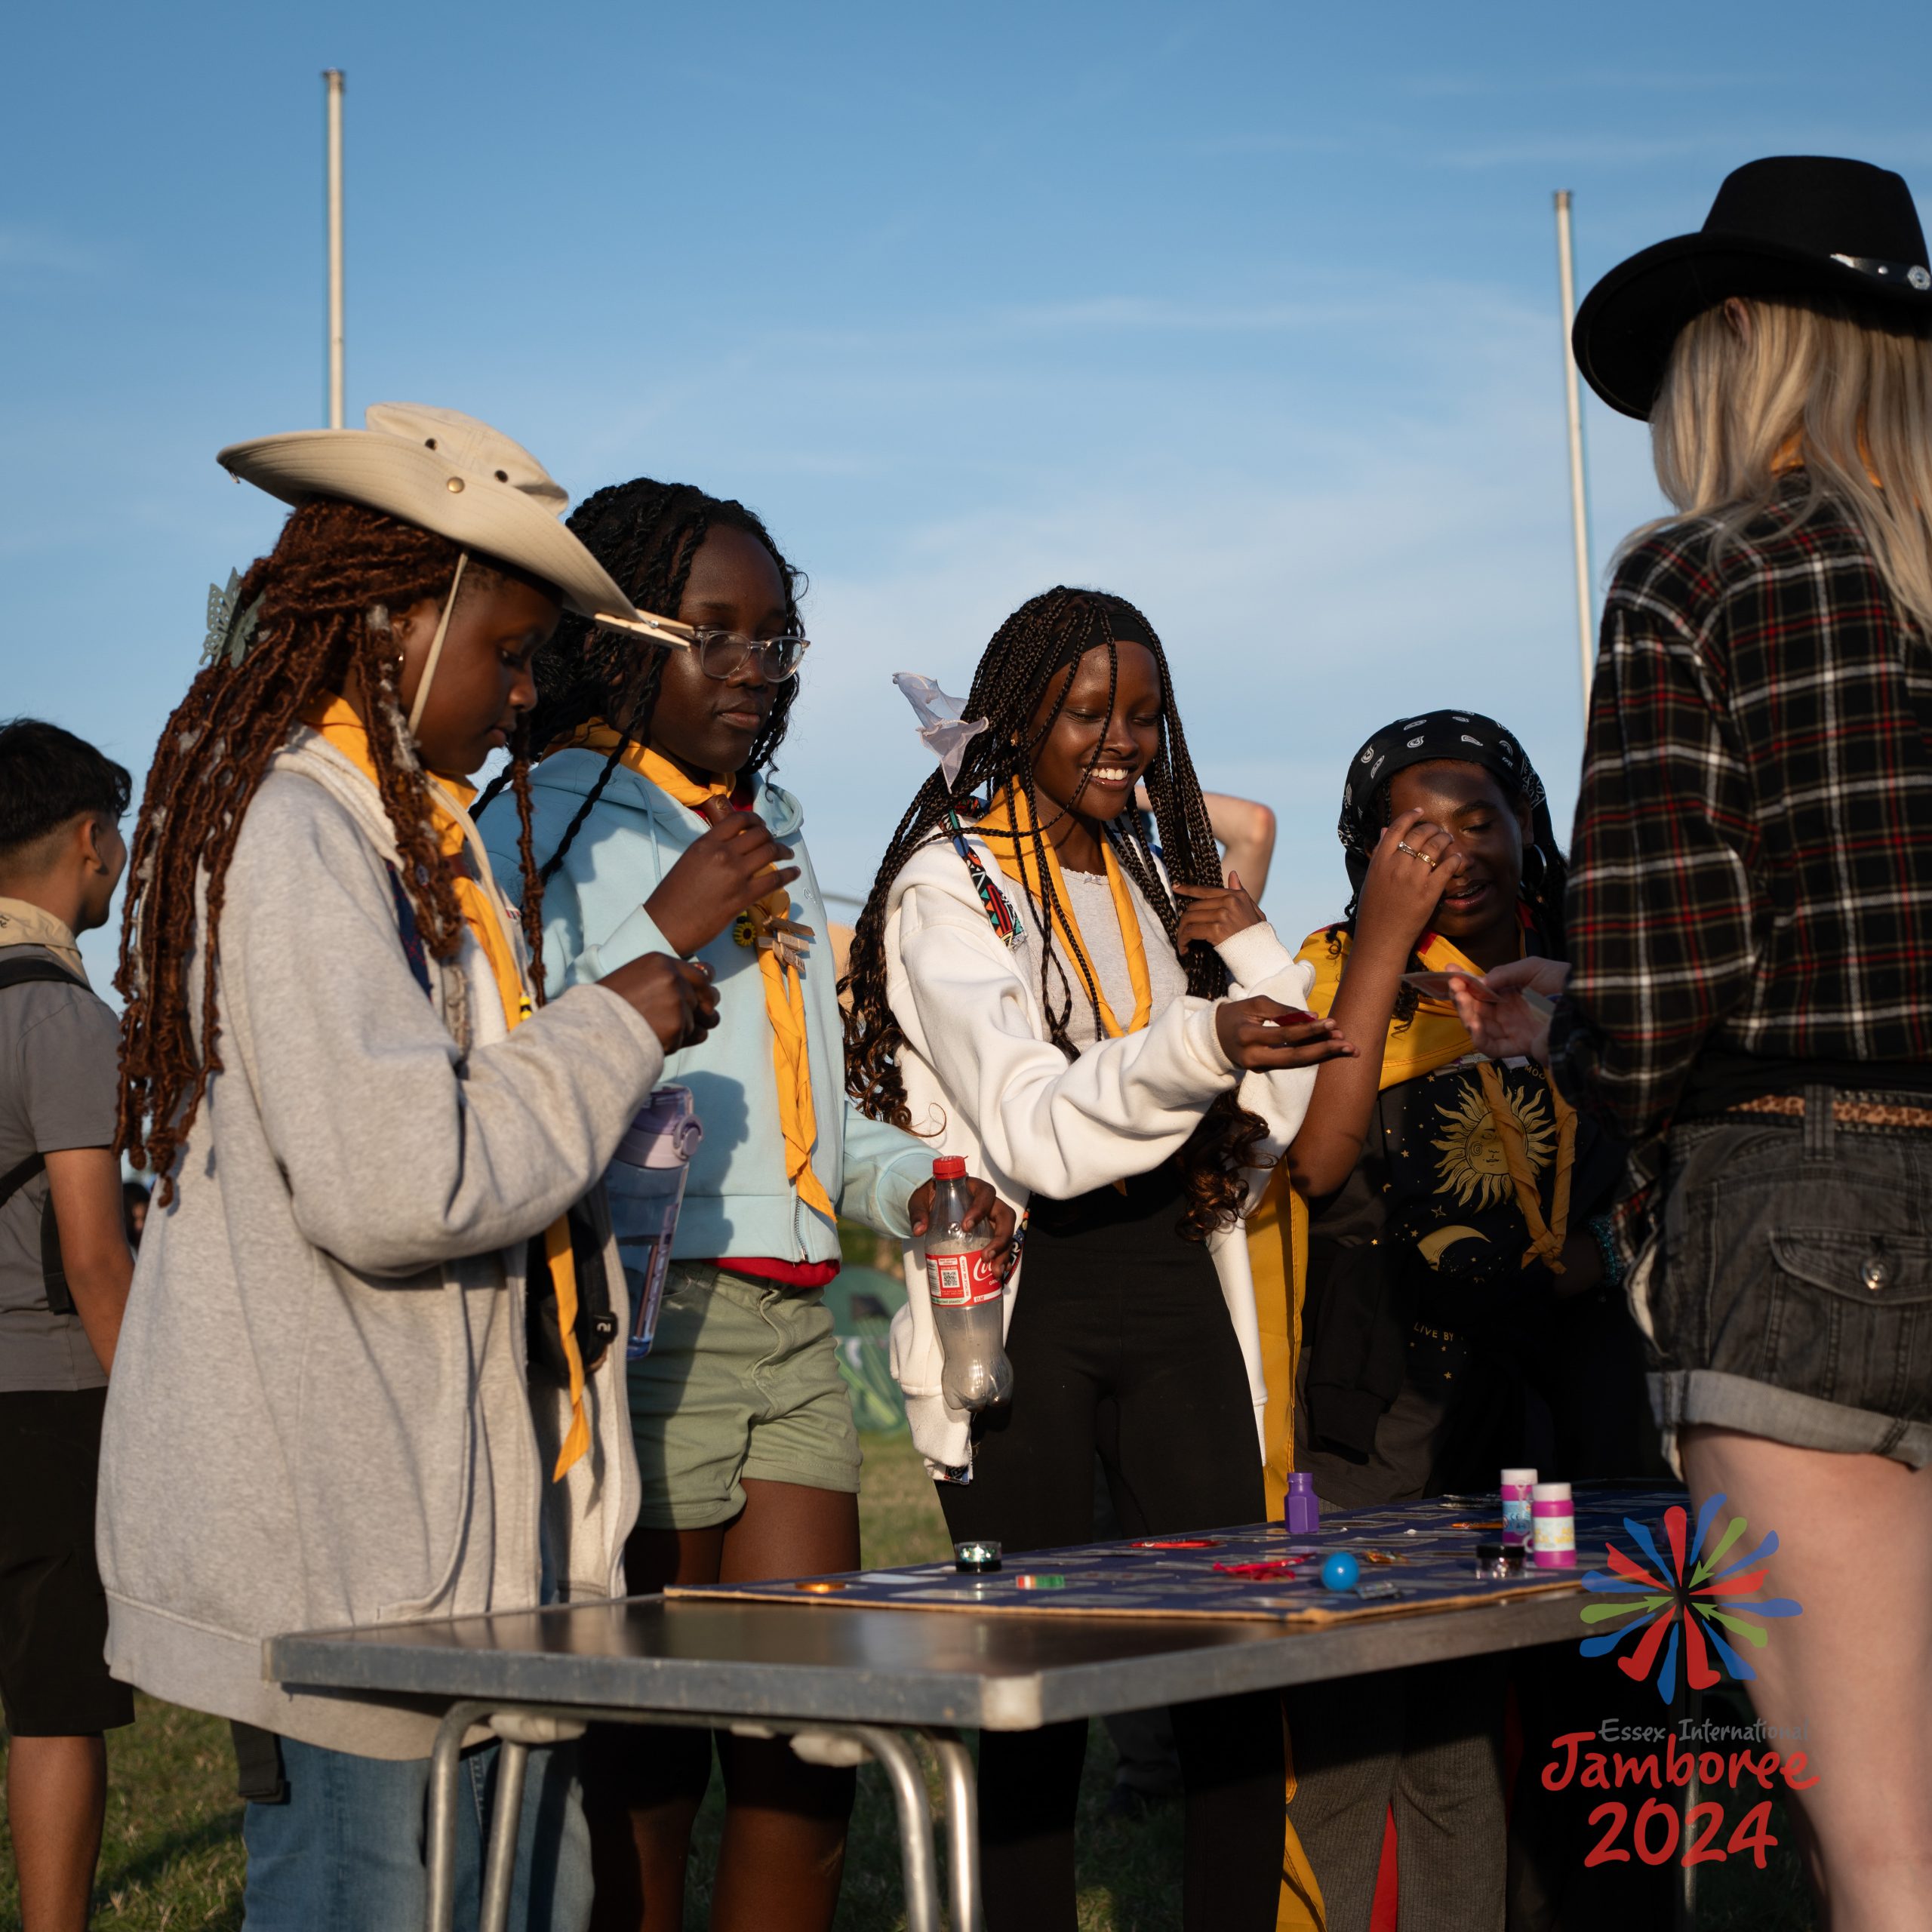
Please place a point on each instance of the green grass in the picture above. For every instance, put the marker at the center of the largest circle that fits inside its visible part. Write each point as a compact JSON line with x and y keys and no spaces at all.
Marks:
{"x":172,"y":1858}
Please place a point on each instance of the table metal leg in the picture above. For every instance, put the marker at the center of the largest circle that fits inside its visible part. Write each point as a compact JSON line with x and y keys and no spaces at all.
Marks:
{"x":1690,"y":1705}
{"x":901,"y":1766}
{"x":894,"y":1755}
{"x":505,"y":1828}
{"x":962,"y":1830}
{"x":445,"y":1768}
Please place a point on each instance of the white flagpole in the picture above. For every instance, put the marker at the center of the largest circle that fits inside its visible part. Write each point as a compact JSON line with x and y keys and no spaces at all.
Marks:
{"x":332,"y":83}
{"x":1579,"y":504}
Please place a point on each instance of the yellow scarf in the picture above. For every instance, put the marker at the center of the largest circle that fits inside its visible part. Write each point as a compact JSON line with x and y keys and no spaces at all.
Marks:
{"x":784,"y":991}
{"x":1009,"y":822}
{"x":484,"y":916}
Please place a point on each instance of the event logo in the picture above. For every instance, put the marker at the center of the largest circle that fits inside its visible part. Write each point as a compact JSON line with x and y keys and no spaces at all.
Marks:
{"x":1680,"y":1608}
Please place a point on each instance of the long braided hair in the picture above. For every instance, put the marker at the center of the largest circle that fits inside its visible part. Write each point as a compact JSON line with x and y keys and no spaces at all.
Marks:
{"x":1035,"y":654}
{"x":325,"y":590}
{"x":645,"y":534}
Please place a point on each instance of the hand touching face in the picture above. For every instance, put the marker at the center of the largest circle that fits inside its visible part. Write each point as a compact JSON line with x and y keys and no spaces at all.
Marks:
{"x":1414,"y":861}
{"x":1482,"y":873}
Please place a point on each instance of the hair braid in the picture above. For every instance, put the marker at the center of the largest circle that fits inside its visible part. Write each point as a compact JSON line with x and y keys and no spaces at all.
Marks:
{"x":1034,"y":654}
{"x":636,"y":720}
{"x":529,"y":901}
{"x":332,"y":563}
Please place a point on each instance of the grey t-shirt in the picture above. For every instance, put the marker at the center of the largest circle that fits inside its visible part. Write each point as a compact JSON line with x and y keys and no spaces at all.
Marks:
{"x":58,"y":1049}
{"x":1092,"y":901}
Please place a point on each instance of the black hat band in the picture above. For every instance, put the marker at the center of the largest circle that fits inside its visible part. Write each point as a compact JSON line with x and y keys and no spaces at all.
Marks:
{"x":1914,"y":275}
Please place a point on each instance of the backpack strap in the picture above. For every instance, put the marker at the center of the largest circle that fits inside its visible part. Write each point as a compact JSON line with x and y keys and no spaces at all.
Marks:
{"x":26,"y":968}
{"x":17,"y":1176}
{"x":23,"y":971}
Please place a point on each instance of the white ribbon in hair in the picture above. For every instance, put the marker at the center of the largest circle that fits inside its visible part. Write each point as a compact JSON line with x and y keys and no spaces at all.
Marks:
{"x":944,"y":729}
{"x":436,"y":646}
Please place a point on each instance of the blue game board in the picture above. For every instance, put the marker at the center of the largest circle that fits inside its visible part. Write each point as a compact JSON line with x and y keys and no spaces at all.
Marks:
{"x":1413,"y":1556}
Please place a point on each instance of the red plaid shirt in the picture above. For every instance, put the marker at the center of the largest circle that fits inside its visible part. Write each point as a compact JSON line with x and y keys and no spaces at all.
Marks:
{"x":1752,"y":881}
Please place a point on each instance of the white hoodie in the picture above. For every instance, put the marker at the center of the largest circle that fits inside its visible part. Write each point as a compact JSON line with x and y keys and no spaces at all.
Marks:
{"x":983,"y":1081}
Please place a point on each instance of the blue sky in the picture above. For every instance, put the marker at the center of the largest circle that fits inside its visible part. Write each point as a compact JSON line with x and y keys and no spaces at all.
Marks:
{"x":1248,"y":311}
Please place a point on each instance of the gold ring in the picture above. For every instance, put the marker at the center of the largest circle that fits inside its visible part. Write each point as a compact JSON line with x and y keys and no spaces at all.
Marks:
{"x":1403,"y":845}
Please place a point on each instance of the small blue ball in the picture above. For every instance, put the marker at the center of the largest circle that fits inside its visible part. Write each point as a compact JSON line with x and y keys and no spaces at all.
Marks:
{"x":1340,"y":1571}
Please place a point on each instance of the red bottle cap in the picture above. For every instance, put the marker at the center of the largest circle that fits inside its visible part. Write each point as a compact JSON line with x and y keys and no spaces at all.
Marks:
{"x":949,"y":1167}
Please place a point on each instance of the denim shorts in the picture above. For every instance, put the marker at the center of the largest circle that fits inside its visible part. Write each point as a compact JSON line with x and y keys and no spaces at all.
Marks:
{"x":1791,"y":1294}
{"x":742,"y":1380}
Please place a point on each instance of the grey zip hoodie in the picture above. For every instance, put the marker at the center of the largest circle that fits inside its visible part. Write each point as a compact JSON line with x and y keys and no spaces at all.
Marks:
{"x":319,"y":1414}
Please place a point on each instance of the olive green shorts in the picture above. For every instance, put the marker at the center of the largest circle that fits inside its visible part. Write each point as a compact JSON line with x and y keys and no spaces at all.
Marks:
{"x":742,"y":1380}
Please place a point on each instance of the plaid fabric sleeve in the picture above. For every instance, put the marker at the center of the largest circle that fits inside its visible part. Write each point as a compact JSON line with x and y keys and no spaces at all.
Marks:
{"x":1663,"y":914}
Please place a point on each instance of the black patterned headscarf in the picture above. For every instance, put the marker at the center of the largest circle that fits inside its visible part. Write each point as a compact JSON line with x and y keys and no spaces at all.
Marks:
{"x":1466,"y":736}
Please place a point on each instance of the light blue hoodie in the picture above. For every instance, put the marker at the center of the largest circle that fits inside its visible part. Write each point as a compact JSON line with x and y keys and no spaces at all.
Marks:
{"x":737,"y":1200}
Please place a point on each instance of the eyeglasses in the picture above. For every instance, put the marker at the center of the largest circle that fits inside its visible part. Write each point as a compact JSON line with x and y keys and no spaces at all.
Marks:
{"x":720,"y":654}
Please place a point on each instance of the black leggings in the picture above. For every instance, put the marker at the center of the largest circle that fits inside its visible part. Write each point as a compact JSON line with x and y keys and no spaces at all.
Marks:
{"x":1121,"y":1343}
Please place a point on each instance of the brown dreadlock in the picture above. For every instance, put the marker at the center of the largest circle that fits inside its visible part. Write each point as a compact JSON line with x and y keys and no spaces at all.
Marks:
{"x":333,"y":563}
{"x":1037,"y":648}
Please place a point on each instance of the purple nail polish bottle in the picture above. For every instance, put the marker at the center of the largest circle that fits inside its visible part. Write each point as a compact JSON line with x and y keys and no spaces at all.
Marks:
{"x":1303,"y":1514}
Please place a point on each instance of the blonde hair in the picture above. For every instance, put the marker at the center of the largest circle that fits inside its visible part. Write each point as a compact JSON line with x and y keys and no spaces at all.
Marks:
{"x":1804,"y":382}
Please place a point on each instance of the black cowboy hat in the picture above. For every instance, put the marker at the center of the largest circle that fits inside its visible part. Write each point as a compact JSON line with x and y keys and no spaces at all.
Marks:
{"x":1795,"y":225}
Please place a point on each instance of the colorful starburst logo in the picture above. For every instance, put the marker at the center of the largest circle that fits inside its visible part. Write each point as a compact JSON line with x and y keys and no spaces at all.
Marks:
{"x":1675,"y":1609}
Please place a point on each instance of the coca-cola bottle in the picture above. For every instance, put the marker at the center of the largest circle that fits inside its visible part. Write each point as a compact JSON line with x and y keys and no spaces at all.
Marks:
{"x":965,"y":1290}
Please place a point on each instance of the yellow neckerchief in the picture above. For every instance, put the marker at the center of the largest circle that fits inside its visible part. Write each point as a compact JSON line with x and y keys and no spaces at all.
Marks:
{"x":22,"y":923}
{"x":1011,"y":824}
{"x":784,"y":991}
{"x":484,"y":916}
{"x":1545,"y":1237}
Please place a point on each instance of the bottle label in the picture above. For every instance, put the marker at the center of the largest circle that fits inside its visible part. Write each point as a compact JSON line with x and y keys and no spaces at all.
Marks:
{"x":1555,"y":1533}
{"x":961,"y":1280}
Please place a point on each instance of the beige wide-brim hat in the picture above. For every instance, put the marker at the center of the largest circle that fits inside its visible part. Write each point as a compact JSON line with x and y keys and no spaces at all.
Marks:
{"x":445,"y":472}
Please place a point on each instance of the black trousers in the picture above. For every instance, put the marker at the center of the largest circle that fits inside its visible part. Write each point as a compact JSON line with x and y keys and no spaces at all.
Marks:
{"x":1121,"y":1344}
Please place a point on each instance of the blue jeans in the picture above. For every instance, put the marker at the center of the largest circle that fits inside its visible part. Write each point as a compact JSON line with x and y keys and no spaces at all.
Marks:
{"x":345,"y":1851}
